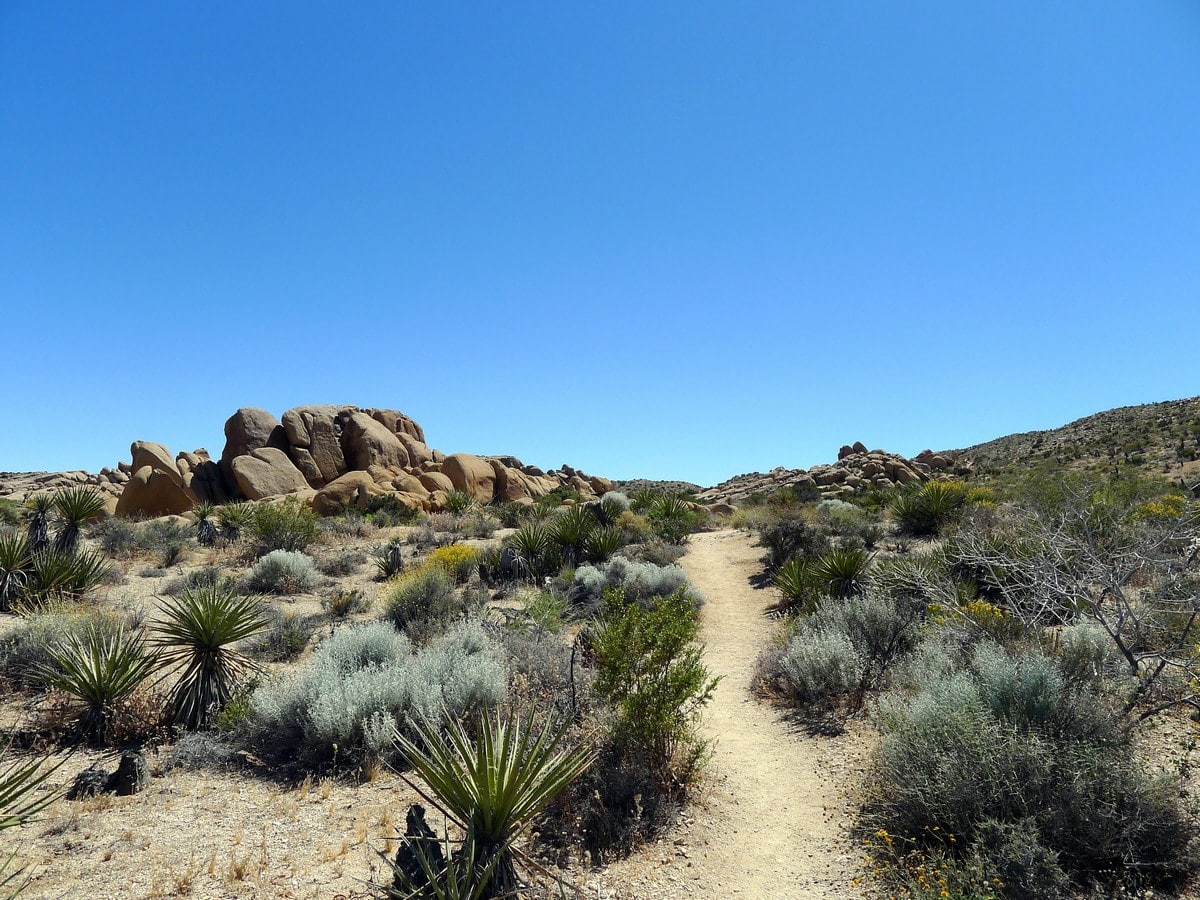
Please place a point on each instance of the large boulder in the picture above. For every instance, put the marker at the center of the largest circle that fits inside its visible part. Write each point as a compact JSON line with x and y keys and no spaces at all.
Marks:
{"x":151,"y":493}
{"x":352,"y":490}
{"x":157,"y":457}
{"x":246,"y":430}
{"x":201,"y":477}
{"x":435,"y":481}
{"x":472,"y":475}
{"x":397,"y":423}
{"x":267,"y":472}
{"x":368,"y":442}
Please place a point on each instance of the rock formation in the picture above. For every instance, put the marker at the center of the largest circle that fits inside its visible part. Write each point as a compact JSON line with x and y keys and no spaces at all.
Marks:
{"x":335,"y":457}
{"x":857,"y":468}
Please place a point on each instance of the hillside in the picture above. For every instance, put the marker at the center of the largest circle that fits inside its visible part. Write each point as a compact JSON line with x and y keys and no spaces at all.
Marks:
{"x":1153,"y":438}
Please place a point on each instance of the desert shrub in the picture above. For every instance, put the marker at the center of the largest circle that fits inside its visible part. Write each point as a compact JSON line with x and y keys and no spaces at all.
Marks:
{"x":480,"y":524}
{"x":637,"y":581}
{"x":799,"y":585}
{"x":201,"y":750}
{"x":343,"y":603}
{"x":286,"y":525}
{"x":444,"y":523}
{"x":350,"y":524}
{"x":203,"y":577}
{"x":849,"y":522}
{"x":388,"y":511}
{"x":790,"y":536}
{"x":422,"y":602}
{"x":342,"y":564}
{"x":366,"y":681}
{"x":510,"y":514}
{"x":116,"y":536}
{"x":389,"y":558}
{"x":11,"y":512}
{"x":285,"y":636}
{"x":649,"y":667}
{"x":456,"y":560}
{"x":846,"y":648}
{"x":842,"y":571}
{"x":541,"y":668}
{"x":282,"y":572}
{"x":655,"y":551}
{"x":1018,"y":762}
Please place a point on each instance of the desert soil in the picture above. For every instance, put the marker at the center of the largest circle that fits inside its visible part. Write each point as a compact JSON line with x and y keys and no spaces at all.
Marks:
{"x":773,"y":820}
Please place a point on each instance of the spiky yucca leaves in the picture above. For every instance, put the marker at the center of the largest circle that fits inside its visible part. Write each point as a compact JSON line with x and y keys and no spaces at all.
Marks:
{"x":842,"y":571}
{"x":531,"y":547}
{"x":54,"y":576}
{"x":193,"y":638}
{"x":18,"y":781}
{"x":569,"y":530}
{"x":927,"y":510}
{"x":76,"y":506}
{"x":442,"y":873}
{"x":234,"y":518}
{"x":15,"y":560}
{"x":98,"y":670}
{"x":206,"y":528}
{"x":602,"y":542}
{"x":38,"y":524}
{"x":389,"y":559}
{"x":492,"y":786}
{"x":799,"y":584}
{"x":459,"y":502}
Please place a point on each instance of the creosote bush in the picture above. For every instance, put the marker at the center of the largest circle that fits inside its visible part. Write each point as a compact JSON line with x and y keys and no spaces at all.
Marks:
{"x":286,"y":525}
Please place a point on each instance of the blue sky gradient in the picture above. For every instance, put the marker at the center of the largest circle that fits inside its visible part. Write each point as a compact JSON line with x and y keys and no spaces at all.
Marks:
{"x":673,"y":240}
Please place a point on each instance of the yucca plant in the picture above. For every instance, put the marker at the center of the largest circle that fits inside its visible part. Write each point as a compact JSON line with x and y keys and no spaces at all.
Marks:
{"x":37,"y":525}
{"x":569,"y":530}
{"x":926,"y":511}
{"x":842,"y":571}
{"x":76,"y":506}
{"x":495,"y":784}
{"x":459,"y":502}
{"x":193,"y":638}
{"x":19,"y":779}
{"x":530,"y":545}
{"x":54,"y":575}
{"x":799,"y":584}
{"x":234,"y":518}
{"x":206,"y":528}
{"x":98,"y":670}
{"x":602,"y":542}
{"x":389,"y":559}
{"x":15,"y":561}
{"x":441,"y":873}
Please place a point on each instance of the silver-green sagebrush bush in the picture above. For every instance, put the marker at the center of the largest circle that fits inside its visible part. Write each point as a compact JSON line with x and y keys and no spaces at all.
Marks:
{"x":365,"y":681}
{"x":283,"y":572}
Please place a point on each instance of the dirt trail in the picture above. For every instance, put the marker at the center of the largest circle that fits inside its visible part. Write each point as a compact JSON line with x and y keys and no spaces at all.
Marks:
{"x":773,"y":824}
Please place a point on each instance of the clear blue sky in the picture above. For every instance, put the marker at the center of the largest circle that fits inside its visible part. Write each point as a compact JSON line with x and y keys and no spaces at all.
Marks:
{"x":673,"y":240}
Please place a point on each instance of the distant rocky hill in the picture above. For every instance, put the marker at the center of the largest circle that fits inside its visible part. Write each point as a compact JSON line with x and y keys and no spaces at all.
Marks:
{"x":1154,"y":438}
{"x":857,"y":468}
{"x":334,"y":457}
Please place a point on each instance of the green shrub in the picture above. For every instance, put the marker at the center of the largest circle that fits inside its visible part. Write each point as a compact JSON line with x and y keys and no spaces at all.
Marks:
{"x":234,"y":518}
{"x":422,"y":602}
{"x":1010,"y":756}
{"x":116,"y":536}
{"x":649,"y":667}
{"x":821,"y":666}
{"x":286,"y":525}
{"x":673,"y":518}
{"x":203,"y":577}
{"x":342,"y":564}
{"x":285,"y":636}
{"x":283,"y":572}
{"x":612,"y":506}
{"x":343,"y":603}
{"x":602,"y":542}
{"x":459,"y":502}
{"x":790,"y":536}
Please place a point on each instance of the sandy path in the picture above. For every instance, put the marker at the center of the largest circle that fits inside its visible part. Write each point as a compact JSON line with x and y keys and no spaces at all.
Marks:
{"x":773,"y":823}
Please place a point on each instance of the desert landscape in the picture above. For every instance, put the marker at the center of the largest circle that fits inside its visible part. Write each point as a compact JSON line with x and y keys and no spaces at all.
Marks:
{"x":952,"y":675}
